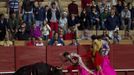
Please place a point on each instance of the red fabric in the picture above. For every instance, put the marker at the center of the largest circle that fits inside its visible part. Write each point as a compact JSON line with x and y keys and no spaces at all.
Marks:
{"x":30,"y":43}
{"x":54,"y":27}
{"x":85,"y":2}
{"x":69,"y":36}
{"x":98,"y":59}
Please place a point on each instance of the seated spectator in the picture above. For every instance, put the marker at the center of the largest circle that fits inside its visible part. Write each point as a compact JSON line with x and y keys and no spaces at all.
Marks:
{"x":74,"y":43}
{"x":127,"y":35}
{"x":39,"y":14}
{"x":13,"y":23}
{"x":56,"y":40}
{"x":36,"y":31}
{"x":22,"y":33}
{"x":63,"y":21}
{"x":119,"y":7}
{"x":3,"y":26}
{"x":6,"y":42}
{"x":126,"y":18}
{"x":103,"y":17}
{"x":95,"y":18}
{"x":61,"y":33}
{"x":73,"y":8}
{"x":105,"y":34}
{"x":116,"y":37}
{"x":84,"y":3}
{"x":85,"y":35}
{"x":39,"y":42}
{"x":45,"y":31}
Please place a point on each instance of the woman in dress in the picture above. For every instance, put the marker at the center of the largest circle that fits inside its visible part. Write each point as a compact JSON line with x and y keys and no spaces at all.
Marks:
{"x":77,"y":63}
{"x":106,"y":66}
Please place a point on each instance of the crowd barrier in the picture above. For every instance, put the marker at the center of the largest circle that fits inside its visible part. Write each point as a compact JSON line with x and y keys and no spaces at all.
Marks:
{"x":12,"y":58}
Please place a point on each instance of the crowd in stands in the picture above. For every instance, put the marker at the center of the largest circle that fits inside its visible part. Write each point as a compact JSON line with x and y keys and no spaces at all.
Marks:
{"x":32,"y":21}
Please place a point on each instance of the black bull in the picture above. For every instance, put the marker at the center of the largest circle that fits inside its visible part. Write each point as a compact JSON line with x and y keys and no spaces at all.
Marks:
{"x":38,"y":69}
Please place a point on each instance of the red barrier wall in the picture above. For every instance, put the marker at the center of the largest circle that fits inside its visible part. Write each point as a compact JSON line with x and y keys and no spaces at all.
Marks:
{"x":29,"y":55}
{"x":53,"y":54}
{"x":121,"y":56}
{"x":6,"y":59}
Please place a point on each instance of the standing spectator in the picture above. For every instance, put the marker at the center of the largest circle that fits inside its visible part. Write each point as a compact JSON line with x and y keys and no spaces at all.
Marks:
{"x":112,"y":21}
{"x":63,"y":22}
{"x":39,"y":14}
{"x":103,"y":17}
{"x":53,"y":16}
{"x":84,"y":19}
{"x":45,"y":31}
{"x":3,"y":26}
{"x":73,"y":8}
{"x":13,"y":7}
{"x":126,"y":18}
{"x":84,"y":3}
{"x":95,"y":18}
{"x":27,"y":12}
{"x":46,"y":11}
{"x":72,"y":20}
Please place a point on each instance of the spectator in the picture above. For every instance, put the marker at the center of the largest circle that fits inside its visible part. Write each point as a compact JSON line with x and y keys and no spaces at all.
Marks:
{"x":112,"y":21}
{"x":45,"y":31}
{"x":39,"y":14}
{"x":56,"y":41}
{"x":27,"y":12}
{"x":105,"y":35}
{"x":22,"y":33}
{"x":13,"y":24}
{"x":116,"y":37}
{"x":39,"y":42}
{"x":46,"y":11}
{"x":36,"y":31}
{"x":85,"y":35}
{"x":127,"y":35}
{"x":84,"y":19}
{"x":13,"y":6}
{"x":132,"y":15}
{"x":63,"y":21}
{"x":61,"y":33}
{"x":31,"y":42}
{"x":6,"y":42}
{"x":74,"y":43}
{"x":84,"y":3}
{"x":3,"y":26}
{"x":72,"y":20}
{"x":119,"y":7}
{"x":95,"y":18}
{"x":126,"y":18}
{"x":53,"y":16}
{"x":73,"y":8}
{"x":103,"y":17}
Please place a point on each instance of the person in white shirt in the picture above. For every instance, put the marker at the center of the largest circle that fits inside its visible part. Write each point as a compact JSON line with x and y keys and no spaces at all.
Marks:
{"x":45,"y":30}
{"x":63,"y":21}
